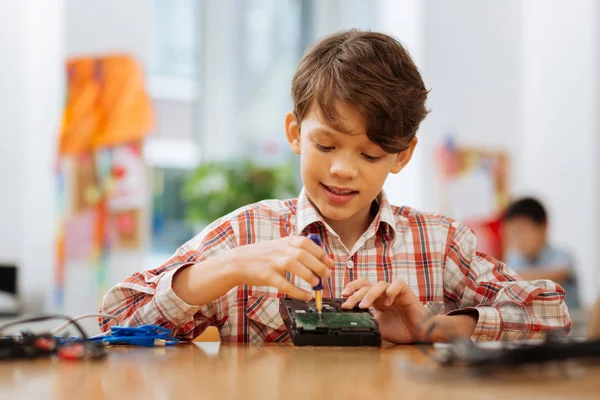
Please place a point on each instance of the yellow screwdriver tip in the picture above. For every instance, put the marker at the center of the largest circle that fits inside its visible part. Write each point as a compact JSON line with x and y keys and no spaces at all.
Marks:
{"x":319,"y":301}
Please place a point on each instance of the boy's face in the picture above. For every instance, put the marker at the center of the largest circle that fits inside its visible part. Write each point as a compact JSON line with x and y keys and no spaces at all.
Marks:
{"x":524,"y":235}
{"x":342,"y":172}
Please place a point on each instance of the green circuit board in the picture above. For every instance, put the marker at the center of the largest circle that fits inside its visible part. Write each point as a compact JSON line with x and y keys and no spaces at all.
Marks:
{"x":349,"y":320}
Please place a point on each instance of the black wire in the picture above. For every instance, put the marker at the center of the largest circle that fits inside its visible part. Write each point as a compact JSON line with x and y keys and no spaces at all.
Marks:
{"x":45,"y":318}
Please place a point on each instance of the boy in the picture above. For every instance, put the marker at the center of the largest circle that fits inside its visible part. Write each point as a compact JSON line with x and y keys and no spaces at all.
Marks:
{"x":358,"y":102}
{"x":529,"y":253}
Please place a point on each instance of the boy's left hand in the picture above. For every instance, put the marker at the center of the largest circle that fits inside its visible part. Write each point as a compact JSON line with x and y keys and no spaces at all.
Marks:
{"x":401,"y":316}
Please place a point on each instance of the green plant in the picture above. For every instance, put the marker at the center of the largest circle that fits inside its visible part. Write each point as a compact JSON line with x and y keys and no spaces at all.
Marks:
{"x":214,"y":189}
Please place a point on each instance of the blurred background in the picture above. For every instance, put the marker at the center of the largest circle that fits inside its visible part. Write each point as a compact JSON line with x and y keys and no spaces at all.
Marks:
{"x":126,"y":126}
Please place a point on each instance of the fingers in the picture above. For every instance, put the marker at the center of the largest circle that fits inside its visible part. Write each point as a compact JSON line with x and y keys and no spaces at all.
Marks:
{"x":382,"y":294}
{"x":355,"y":298}
{"x":299,"y":269}
{"x":355,"y":285}
{"x":374,"y":293}
{"x":312,"y":263}
{"x":393,"y":290}
{"x":285,"y":286}
{"x":311,"y":257}
{"x":304,"y":243}
{"x":401,"y":294}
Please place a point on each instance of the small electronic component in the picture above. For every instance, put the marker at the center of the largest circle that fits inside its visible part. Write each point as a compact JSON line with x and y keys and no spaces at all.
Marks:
{"x":29,"y":346}
{"x":334,"y":327}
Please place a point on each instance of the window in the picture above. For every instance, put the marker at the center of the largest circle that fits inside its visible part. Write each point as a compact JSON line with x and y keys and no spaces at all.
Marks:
{"x":177,"y":44}
{"x":169,"y":229}
{"x":274,"y":35}
{"x":174,"y":83}
{"x":175,"y":57}
{"x":233,"y":56}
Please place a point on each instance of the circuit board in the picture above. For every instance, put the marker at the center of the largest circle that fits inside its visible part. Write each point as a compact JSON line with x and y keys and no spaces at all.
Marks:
{"x":334,"y":327}
{"x":335,"y":320}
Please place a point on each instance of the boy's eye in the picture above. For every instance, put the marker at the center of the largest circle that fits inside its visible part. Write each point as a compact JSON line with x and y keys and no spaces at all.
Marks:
{"x":371,"y":158}
{"x":323,"y":148}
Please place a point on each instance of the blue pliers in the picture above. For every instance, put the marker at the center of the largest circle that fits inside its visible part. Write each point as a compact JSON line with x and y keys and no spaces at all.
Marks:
{"x":144,"y":335}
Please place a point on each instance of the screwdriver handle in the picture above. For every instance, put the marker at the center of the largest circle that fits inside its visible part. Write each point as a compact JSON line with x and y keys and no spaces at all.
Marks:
{"x":315,"y":238}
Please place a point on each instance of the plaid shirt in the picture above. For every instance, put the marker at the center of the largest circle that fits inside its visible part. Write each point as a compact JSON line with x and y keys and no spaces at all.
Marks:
{"x":436,"y":256}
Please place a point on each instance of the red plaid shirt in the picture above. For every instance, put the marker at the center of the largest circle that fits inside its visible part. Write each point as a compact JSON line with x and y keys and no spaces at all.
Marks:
{"x":436,"y":256}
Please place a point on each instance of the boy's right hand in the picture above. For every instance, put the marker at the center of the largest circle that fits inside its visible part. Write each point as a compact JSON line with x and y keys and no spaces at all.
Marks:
{"x":266,"y":264}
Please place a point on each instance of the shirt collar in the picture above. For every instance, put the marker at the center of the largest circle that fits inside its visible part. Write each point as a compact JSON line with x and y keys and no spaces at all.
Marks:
{"x":385,"y":220}
{"x":307,"y":215}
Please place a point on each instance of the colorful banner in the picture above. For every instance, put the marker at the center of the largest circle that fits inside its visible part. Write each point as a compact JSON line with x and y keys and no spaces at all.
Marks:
{"x":101,"y":178}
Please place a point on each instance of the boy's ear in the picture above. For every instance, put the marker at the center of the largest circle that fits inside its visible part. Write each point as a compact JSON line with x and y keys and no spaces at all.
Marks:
{"x":292,"y":132}
{"x":404,"y":157}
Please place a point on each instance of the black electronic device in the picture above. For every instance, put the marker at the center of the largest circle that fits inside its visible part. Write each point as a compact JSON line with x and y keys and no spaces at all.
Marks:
{"x":335,"y":327}
{"x":9,"y":299}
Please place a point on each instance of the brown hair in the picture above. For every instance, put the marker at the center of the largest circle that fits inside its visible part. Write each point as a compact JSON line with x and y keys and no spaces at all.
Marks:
{"x":367,"y":70}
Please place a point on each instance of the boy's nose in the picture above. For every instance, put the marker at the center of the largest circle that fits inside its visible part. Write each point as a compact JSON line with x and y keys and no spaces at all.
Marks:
{"x":344,"y":168}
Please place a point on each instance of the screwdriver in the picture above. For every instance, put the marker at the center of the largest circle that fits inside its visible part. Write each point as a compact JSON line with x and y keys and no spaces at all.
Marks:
{"x":319,"y":287}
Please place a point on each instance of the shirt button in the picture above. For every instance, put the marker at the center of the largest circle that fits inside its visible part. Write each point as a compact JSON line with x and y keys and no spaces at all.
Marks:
{"x":350,"y":264}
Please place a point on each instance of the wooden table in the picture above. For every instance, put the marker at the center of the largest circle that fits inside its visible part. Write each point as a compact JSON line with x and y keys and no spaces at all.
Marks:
{"x":211,"y":371}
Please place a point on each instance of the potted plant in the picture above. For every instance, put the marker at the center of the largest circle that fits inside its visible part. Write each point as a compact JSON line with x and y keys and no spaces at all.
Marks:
{"x":215,"y":189}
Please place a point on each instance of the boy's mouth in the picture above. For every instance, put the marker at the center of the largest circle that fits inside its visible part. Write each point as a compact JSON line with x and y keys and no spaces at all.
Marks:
{"x":339,"y":194}
{"x":340,"y":190}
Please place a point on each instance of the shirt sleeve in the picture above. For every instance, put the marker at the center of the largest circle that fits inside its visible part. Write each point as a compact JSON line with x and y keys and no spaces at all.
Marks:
{"x":147,"y":297}
{"x":507,"y":308}
{"x":559,"y":258}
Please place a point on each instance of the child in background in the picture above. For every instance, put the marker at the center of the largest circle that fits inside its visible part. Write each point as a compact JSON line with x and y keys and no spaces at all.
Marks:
{"x":529,"y":251}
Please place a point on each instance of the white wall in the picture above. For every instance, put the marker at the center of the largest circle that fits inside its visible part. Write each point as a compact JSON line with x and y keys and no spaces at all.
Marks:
{"x":336,"y":15}
{"x":404,"y":20}
{"x":219,"y":124}
{"x":560,"y":145}
{"x":108,"y":26}
{"x":31,"y":95}
{"x":472,"y":64}
{"x":12,"y":120}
